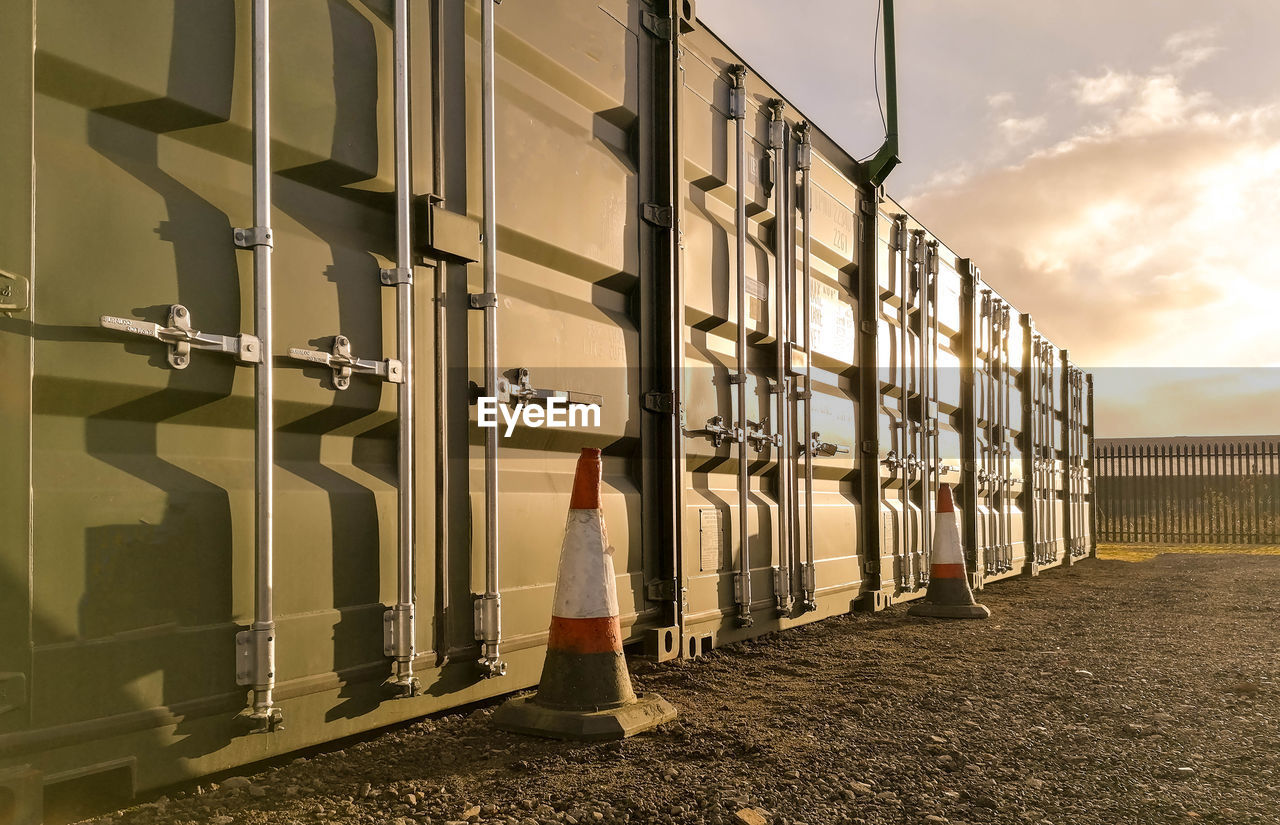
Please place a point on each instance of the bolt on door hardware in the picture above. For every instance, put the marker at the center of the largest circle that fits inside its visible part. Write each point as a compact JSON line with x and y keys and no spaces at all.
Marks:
{"x":180,"y":337}
{"x":343,"y":363}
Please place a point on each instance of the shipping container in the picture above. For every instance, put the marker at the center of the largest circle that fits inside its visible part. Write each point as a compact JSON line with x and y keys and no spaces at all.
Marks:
{"x":786,"y":365}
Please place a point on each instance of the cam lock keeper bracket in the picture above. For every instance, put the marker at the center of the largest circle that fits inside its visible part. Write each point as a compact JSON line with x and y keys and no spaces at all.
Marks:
{"x":516,"y":387}
{"x":717,"y":431}
{"x":818,"y":447}
{"x":255,"y":666}
{"x":180,"y":337}
{"x":759,"y":437}
{"x":343,"y":363}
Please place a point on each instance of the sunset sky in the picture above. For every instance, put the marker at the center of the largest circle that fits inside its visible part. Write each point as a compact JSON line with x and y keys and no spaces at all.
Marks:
{"x":1113,"y":167}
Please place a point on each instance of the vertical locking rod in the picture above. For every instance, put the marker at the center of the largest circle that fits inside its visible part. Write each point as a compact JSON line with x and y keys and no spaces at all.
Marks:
{"x":989,"y":444}
{"x":929,"y":326}
{"x":738,"y":111}
{"x":441,"y":635}
{"x":400,"y":620}
{"x":1006,"y":452}
{"x":902,"y":286}
{"x":488,"y":609}
{"x":782,"y":249}
{"x":1051,"y":476}
{"x":906,"y":364}
{"x":804,"y":160}
{"x":263,"y":712}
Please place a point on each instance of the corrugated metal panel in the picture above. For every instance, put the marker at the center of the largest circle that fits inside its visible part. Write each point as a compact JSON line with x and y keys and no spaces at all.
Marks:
{"x":569,"y":236}
{"x":17,"y":336}
{"x":143,"y":495}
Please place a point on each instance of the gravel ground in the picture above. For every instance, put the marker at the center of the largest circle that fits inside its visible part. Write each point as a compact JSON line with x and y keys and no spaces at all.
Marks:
{"x":1113,"y":692}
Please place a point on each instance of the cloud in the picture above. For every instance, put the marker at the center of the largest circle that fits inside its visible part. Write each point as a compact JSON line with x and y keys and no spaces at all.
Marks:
{"x":1019,"y":130}
{"x":1191,"y":48}
{"x":1160,"y":106}
{"x":1000,"y":100}
{"x":1143,"y":239}
{"x":1105,"y":88}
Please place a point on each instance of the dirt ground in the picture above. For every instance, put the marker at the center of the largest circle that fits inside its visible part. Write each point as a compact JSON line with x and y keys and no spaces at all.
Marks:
{"x":1114,"y":692}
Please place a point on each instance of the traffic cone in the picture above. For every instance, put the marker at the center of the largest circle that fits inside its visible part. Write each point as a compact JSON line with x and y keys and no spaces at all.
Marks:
{"x":585,"y":691}
{"x":948,"y":596}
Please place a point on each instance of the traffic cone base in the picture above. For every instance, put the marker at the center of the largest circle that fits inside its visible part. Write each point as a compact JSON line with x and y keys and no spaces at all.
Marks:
{"x":585,"y":691}
{"x":948,"y":596}
{"x":527,"y":715}
{"x":949,"y":611}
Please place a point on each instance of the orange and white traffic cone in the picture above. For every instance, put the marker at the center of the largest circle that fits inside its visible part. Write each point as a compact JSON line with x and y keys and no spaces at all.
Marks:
{"x":948,"y":596}
{"x":585,"y":692}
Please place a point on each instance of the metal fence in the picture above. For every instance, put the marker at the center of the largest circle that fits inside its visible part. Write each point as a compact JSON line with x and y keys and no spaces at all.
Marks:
{"x":1178,"y":491}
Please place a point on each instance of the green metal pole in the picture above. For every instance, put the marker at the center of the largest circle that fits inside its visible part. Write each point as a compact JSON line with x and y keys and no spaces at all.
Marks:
{"x":878,"y":168}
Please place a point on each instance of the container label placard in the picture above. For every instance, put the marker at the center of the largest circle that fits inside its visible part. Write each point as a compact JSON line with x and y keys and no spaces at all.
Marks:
{"x":832,"y":223}
{"x":833,"y":329}
{"x":710,"y":539}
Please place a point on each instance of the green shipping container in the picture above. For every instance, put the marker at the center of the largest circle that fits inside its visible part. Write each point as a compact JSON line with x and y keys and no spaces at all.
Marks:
{"x":768,"y":461}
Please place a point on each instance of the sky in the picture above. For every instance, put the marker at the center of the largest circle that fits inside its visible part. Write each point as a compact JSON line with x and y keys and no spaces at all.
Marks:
{"x":1113,"y":167}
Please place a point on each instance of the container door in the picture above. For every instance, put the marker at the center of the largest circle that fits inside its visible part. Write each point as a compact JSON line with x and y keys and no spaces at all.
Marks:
{"x":143,"y":474}
{"x":1012,"y":469}
{"x":797,"y":564}
{"x":713,"y":539}
{"x":948,"y":425}
{"x":987,"y":375}
{"x":569,"y":168}
{"x":15,"y":367}
{"x":1046,"y":438}
{"x":999,"y":469}
{"x":833,"y":435}
{"x":908,"y":333}
{"x":1076,"y":474}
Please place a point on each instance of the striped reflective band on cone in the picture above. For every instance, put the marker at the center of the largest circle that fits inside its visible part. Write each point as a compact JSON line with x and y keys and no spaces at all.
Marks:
{"x":948,"y":558}
{"x":948,"y":595}
{"x":948,"y":584}
{"x":585,"y":669}
{"x":584,"y":617}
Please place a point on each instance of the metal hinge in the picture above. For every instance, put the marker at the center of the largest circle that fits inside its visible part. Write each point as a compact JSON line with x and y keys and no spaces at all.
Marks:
{"x":14,"y":292}
{"x":656,"y":214}
{"x":662,"y":403}
{"x":658,"y":26}
{"x":180,"y":337}
{"x":343,"y":363}
{"x":482,"y":300}
{"x":663,"y":590}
